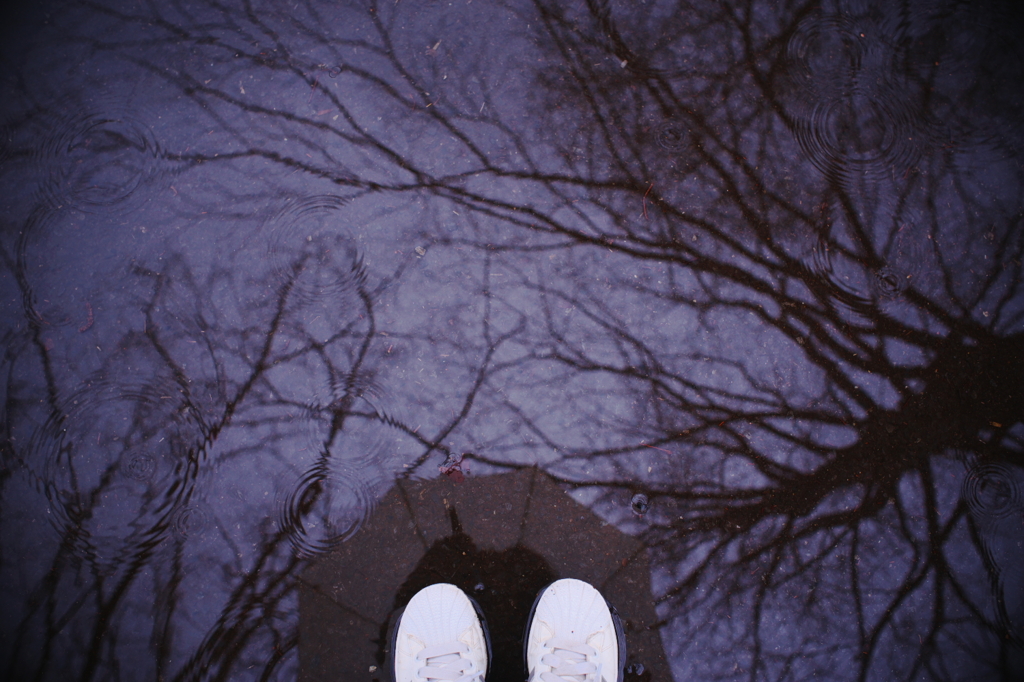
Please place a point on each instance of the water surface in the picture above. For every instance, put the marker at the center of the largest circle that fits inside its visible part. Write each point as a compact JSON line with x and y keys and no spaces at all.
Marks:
{"x":744,"y":278}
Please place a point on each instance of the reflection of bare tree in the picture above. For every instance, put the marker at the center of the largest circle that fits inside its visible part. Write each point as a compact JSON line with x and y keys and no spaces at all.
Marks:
{"x":247,"y":385}
{"x":127,"y":485}
{"x":238,"y":428}
{"x":705,"y":261}
{"x":827,"y":481}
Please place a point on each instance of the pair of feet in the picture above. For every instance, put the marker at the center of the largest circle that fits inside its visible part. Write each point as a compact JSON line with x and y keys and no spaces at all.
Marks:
{"x":573,"y":636}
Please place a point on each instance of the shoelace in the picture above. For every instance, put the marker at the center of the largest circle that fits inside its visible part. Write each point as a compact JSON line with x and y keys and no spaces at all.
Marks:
{"x":445,"y":662}
{"x":569,"y":662}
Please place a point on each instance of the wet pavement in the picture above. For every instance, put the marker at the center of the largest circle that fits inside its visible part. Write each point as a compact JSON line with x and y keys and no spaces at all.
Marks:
{"x":717,"y":305}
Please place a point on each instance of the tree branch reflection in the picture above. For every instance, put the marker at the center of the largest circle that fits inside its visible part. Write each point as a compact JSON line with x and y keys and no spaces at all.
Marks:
{"x":720,"y":255}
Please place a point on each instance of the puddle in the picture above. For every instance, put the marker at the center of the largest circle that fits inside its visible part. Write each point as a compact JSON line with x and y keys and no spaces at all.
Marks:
{"x":304,"y":307}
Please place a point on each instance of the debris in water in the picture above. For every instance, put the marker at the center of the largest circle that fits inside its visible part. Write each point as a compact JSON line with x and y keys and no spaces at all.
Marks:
{"x":452,"y":467}
{"x":89,"y":319}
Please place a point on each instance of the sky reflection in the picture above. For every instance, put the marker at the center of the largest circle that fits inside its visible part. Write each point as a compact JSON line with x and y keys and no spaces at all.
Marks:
{"x":745,"y":279}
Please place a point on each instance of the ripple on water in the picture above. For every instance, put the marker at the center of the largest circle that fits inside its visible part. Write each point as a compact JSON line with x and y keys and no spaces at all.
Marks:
{"x":858,"y":281}
{"x":98,"y":159}
{"x":825,"y":53}
{"x":848,"y":114}
{"x":673,"y":135}
{"x":868,"y":132}
{"x":1011,"y":613}
{"x":846,"y":276}
{"x":903,"y":258}
{"x":674,"y":144}
{"x":310,"y":249}
{"x":330,"y":406}
{"x":315,"y":419}
{"x":190,"y":521}
{"x":139,"y":466}
{"x":327,"y":506}
{"x":640,"y":504}
{"x":992,"y":490}
{"x":118,"y":462}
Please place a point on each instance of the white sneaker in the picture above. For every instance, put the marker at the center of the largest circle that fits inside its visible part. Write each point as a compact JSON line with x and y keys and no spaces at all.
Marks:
{"x":574,"y":636}
{"x":439,"y":636}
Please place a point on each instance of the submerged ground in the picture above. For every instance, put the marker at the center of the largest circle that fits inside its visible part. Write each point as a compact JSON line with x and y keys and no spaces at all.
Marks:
{"x":742,"y":278}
